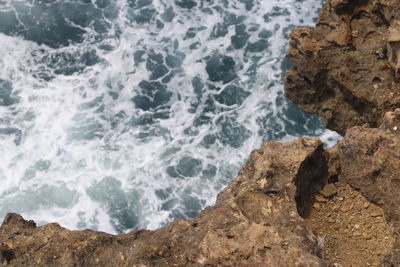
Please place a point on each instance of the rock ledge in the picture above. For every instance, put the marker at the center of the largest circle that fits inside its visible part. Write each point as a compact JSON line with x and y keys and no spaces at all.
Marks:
{"x":292,"y":204}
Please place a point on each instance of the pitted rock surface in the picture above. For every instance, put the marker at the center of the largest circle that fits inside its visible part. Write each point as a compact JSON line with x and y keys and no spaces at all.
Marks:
{"x":370,"y":162}
{"x":255,"y":222}
{"x":347,"y":68}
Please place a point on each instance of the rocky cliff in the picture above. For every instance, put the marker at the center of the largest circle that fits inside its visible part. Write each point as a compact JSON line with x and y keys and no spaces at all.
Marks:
{"x":292,"y":204}
{"x":347,"y":68}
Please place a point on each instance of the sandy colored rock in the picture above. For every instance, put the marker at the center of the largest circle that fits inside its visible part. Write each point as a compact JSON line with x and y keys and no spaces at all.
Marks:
{"x":333,"y":164}
{"x":350,"y":236}
{"x":255,"y":222}
{"x":347,"y":68}
{"x":329,"y":190}
{"x":391,"y":122}
{"x":285,"y":208}
{"x":292,"y":204}
{"x":370,"y":162}
{"x":320,"y":198}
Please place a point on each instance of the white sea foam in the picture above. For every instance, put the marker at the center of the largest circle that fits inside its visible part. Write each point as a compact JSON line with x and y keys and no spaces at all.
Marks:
{"x":80,"y":151}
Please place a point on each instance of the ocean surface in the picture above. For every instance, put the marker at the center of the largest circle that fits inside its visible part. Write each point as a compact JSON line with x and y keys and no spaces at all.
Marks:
{"x":127,"y":114}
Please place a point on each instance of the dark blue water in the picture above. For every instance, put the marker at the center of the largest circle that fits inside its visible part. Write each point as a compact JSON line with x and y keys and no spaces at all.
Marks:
{"x":118,"y":115}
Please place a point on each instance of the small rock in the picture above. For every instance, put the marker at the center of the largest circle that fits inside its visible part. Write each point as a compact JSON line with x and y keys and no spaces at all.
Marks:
{"x":329,"y":191}
{"x":356,"y":234}
{"x":376,"y":212}
{"x":344,"y":208}
{"x":359,"y":205}
{"x":320,"y":198}
{"x":366,"y":236}
{"x":316,"y":206}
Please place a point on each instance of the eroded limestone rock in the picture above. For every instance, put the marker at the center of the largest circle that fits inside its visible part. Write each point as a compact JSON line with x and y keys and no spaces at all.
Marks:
{"x":391,"y":122}
{"x":357,"y":213}
{"x":394,"y":47}
{"x":370,"y":163}
{"x":258,"y":219}
{"x":255,"y":222}
{"x":346,"y":68}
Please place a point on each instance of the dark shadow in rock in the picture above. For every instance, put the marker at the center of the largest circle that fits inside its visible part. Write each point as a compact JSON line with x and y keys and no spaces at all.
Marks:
{"x":310,"y":178}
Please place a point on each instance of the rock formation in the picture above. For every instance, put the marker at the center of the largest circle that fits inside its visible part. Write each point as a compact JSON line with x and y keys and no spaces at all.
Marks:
{"x":347,"y":68}
{"x":253,"y":223}
{"x":292,"y":204}
{"x":265,"y":217}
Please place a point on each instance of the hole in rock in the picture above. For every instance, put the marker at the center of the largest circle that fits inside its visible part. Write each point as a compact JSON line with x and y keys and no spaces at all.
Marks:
{"x":376,"y":80}
{"x":333,"y":179}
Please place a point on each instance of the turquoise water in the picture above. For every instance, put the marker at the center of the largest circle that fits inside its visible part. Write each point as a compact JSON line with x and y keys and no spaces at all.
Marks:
{"x":119,"y":115}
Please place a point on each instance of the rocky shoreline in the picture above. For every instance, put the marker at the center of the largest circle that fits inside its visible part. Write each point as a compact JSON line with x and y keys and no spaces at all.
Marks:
{"x":292,"y":204}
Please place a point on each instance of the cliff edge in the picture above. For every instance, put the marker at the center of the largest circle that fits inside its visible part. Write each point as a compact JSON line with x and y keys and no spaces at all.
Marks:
{"x":292,"y":204}
{"x":347,"y":68}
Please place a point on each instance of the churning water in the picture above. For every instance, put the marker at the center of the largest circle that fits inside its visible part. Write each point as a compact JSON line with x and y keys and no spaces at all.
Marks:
{"x":127,"y":114}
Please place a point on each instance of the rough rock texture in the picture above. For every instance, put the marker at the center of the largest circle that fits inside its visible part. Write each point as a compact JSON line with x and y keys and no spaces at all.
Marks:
{"x":292,"y":204}
{"x":347,"y":69}
{"x":354,"y":230}
{"x":348,"y":195}
{"x":370,"y":161}
{"x":288,"y":199}
{"x":391,"y":122}
{"x":255,"y":222}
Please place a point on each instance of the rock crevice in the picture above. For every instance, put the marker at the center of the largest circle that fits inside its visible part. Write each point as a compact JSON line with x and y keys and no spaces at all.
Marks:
{"x":292,"y":204}
{"x":346,"y":69}
{"x":253,"y":223}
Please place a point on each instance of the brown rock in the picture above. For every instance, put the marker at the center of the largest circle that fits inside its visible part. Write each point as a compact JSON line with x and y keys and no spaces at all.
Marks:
{"x":329,"y":190}
{"x":334,"y":160}
{"x":370,"y":160}
{"x":344,"y":208}
{"x":255,"y":222}
{"x":391,"y":122}
{"x":348,"y":235}
{"x":317,"y":206}
{"x":341,"y":69}
{"x":346,"y":70}
{"x":394,"y":46}
{"x":376,"y":213}
{"x":320,"y":198}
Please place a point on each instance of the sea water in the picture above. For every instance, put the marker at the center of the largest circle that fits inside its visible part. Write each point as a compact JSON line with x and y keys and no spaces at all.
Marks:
{"x":117,"y":115}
